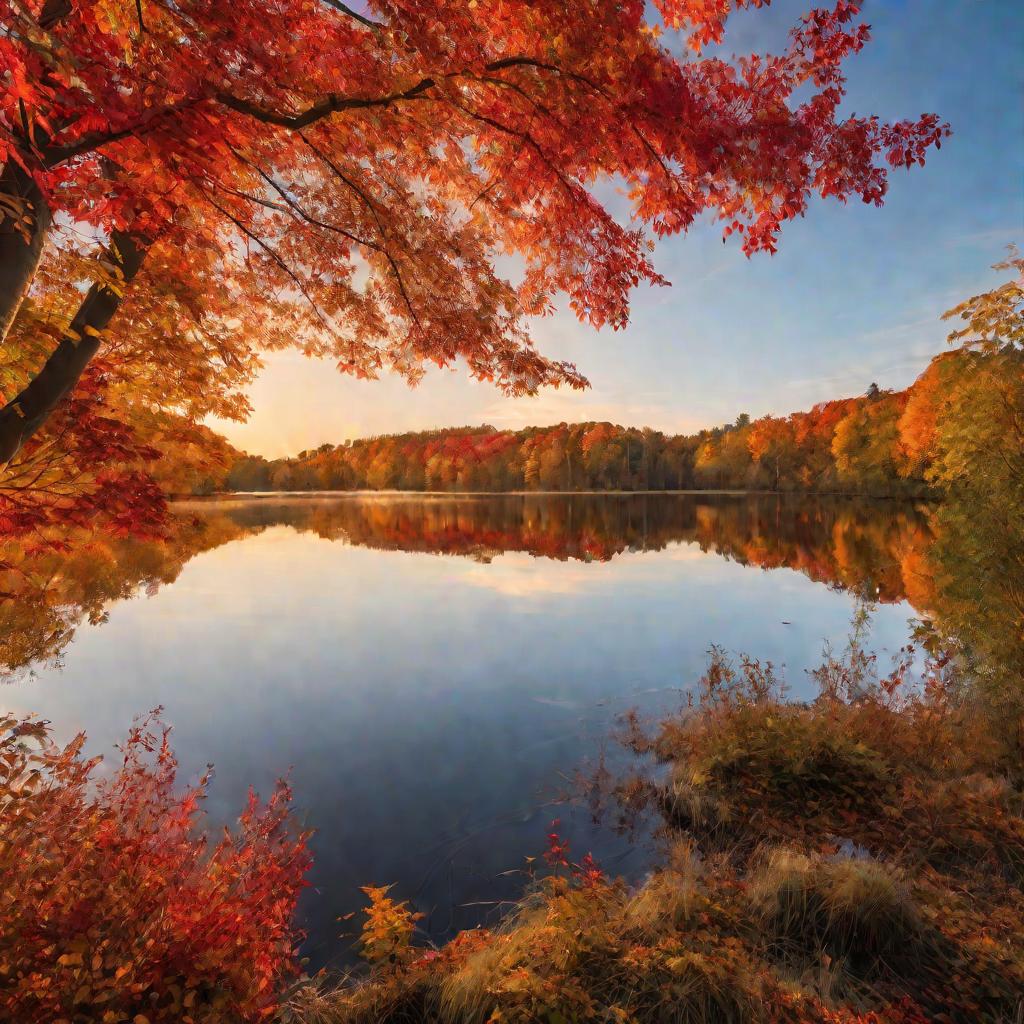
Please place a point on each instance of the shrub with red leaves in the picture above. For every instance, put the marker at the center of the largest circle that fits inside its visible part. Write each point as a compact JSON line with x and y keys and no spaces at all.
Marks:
{"x":587,"y":873}
{"x":113,"y":907}
{"x":86,"y":469}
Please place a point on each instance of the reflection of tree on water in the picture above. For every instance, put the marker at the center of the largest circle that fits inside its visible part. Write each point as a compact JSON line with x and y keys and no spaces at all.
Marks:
{"x":45,"y":595}
{"x":886,"y":551}
{"x":977,"y":577}
{"x":847,"y":543}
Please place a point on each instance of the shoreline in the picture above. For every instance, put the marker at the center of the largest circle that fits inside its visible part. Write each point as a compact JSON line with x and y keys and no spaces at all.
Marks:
{"x":265,"y":495}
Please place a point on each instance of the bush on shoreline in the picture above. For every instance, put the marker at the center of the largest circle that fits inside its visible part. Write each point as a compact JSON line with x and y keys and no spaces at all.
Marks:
{"x":855,"y":860}
{"x":114,"y":909}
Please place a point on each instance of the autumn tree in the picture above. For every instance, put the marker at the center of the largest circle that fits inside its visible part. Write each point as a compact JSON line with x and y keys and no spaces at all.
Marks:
{"x":977,"y":459}
{"x":724,"y":460}
{"x":865,"y":445}
{"x":356,"y":175}
{"x":981,"y":435}
{"x":134,"y":416}
{"x":772,"y":445}
{"x":919,"y":421}
{"x":814,"y":432}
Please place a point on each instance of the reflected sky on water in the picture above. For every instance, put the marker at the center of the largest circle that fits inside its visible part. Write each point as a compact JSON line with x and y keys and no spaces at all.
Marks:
{"x":433,"y":670}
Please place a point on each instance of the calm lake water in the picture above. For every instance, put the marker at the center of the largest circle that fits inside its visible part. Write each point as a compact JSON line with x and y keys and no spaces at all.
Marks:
{"x":434,"y":669}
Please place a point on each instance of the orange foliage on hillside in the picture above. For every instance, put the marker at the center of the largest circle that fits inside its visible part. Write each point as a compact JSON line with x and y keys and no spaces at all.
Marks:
{"x":883,"y":443}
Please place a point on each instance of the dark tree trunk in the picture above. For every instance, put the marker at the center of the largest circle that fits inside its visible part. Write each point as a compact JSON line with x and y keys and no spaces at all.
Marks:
{"x":21,"y":244}
{"x":24,"y":415}
{"x":22,"y":248}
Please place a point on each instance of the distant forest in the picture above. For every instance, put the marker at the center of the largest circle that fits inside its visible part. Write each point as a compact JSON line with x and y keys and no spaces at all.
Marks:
{"x":885,"y":443}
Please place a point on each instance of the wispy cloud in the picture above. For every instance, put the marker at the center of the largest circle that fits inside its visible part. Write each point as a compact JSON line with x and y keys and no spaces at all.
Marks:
{"x":994,"y":239}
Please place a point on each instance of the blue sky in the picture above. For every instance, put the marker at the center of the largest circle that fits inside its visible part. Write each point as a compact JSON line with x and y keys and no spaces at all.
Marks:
{"x":854,"y":294}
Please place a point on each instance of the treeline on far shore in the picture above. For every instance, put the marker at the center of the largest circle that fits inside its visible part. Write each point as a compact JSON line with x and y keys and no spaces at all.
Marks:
{"x":885,"y":443}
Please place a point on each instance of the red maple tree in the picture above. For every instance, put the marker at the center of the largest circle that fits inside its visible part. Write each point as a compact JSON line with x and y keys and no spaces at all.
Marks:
{"x":358,"y":173}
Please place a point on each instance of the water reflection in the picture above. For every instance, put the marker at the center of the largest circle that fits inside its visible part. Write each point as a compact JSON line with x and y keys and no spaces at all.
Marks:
{"x":872,"y":548}
{"x":841,"y":542}
{"x":435,"y":667}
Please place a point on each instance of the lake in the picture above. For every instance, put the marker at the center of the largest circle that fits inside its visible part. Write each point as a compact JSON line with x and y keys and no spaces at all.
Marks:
{"x":433,"y":670}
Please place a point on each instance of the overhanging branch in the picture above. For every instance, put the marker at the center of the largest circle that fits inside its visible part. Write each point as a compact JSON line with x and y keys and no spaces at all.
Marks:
{"x":354,"y":15}
{"x":332,"y":103}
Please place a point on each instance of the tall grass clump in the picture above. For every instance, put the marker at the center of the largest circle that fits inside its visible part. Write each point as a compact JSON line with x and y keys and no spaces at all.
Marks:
{"x":847,"y":909}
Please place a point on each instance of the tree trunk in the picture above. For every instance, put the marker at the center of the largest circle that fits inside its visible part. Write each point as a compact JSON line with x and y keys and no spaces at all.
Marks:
{"x":24,"y":415}
{"x":19,"y":255}
{"x":21,"y":249}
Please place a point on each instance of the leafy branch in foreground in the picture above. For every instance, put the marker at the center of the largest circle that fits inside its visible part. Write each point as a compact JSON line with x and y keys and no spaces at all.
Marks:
{"x":359,"y":177}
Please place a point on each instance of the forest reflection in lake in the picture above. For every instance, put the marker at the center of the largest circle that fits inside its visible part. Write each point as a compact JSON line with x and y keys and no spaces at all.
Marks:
{"x":432,"y":707}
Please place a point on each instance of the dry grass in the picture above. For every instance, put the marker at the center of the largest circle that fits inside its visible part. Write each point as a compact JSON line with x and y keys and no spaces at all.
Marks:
{"x":757,"y":915}
{"x":856,"y":911}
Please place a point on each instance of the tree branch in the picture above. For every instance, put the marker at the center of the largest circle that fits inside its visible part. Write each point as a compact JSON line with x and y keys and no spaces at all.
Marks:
{"x":253,"y":237}
{"x":294,"y":205}
{"x":333,"y":103}
{"x":385,"y":248}
{"x":374,"y":26}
